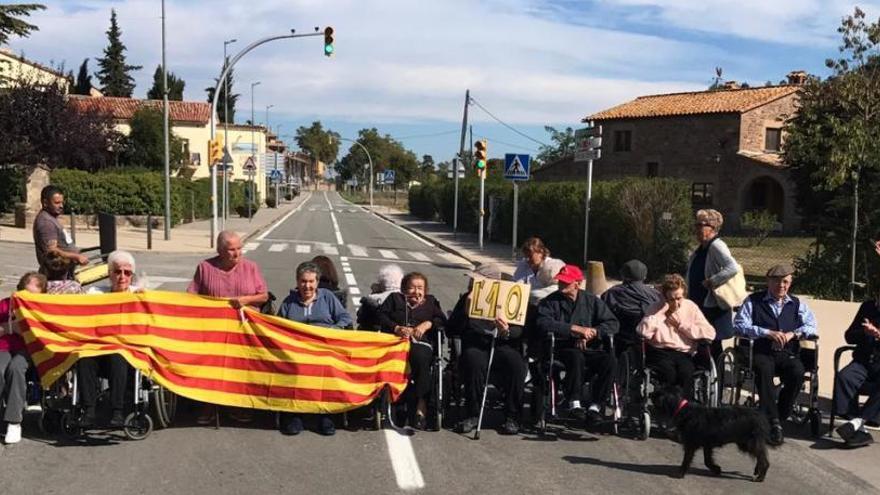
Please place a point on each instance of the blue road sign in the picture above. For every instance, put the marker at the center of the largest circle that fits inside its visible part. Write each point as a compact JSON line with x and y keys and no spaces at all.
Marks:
{"x":389,"y":177}
{"x":516,"y":167}
{"x":275,"y":175}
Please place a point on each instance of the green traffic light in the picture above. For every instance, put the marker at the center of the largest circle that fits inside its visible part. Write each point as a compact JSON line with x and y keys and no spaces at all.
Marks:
{"x":328,"y":50}
{"x":481,"y":164}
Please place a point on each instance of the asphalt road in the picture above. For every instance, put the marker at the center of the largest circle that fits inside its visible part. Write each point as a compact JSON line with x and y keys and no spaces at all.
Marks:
{"x":199,"y":460}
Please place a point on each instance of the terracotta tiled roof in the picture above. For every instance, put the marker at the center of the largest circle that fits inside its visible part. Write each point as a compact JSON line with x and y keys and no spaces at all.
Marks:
{"x":702,"y":102}
{"x":191,"y":112}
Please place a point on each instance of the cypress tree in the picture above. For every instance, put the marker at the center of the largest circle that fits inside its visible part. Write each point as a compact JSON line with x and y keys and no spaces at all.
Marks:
{"x":115,"y":74}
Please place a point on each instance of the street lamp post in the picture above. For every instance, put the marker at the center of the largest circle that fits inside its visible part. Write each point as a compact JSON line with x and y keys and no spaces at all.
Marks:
{"x":165,"y":136}
{"x":274,"y":158}
{"x":223,"y":75}
{"x":370,"y":179}
{"x":226,"y":136}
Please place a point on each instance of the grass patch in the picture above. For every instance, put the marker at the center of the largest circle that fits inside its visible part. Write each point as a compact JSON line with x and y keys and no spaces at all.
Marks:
{"x":756,"y":260}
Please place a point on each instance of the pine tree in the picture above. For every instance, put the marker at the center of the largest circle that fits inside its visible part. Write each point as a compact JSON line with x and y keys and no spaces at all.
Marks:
{"x":175,"y":86}
{"x":11,"y":25}
{"x":115,"y":74}
{"x":83,"y":85}
{"x":221,"y":101}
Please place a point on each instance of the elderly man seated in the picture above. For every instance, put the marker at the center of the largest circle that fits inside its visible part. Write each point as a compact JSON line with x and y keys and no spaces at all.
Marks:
{"x":121,"y":266}
{"x":581,"y":323}
{"x":776,"y":321}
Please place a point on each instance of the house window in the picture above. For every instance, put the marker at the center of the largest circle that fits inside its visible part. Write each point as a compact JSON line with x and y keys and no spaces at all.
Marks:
{"x":701,"y":194}
{"x":773,"y":140}
{"x":195,"y":158}
{"x":622,"y":140}
{"x":653,"y":170}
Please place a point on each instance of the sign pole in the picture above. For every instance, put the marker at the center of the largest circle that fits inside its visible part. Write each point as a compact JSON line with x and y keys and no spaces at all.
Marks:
{"x":587,"y":211}
{"x":482,"y":206}
{"x":515,"y":214}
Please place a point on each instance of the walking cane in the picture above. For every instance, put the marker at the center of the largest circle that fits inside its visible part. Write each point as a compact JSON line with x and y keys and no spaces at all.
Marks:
{"x":486,"y":386}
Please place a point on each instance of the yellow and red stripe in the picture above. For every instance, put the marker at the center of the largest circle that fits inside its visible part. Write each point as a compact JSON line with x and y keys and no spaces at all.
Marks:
{"x":201,"y":348}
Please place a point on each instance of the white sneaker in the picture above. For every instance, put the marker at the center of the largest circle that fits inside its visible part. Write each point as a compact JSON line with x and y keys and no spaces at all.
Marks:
{"x":13,"y":433}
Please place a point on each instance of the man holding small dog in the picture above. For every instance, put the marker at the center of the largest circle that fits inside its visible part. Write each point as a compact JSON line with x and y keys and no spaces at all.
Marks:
{"x":776,"y":321}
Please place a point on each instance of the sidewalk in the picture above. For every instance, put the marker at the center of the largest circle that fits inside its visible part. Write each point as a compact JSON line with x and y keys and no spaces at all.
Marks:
{"x":192,"y":237}
{"x":462,"y":244}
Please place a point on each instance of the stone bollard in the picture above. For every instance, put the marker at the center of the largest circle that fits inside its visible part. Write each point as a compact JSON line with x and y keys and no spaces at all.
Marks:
{"x":596,"y":282}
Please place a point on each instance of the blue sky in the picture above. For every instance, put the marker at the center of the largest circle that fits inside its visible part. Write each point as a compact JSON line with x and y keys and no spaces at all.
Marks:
{"x":402,"y":66}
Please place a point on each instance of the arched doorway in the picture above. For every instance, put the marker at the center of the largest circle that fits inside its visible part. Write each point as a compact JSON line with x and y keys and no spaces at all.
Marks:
{"x":765,"y":193}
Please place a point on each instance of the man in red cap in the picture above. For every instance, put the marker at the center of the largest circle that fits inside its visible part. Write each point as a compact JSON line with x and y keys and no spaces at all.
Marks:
{"x":582,"y":325}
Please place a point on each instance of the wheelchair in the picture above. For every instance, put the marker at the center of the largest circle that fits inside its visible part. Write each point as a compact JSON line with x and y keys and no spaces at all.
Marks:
{"x":637,"y":380}
{"x":864,"y":390}
{"x":738,"y":376}
{"x":547,"y":371}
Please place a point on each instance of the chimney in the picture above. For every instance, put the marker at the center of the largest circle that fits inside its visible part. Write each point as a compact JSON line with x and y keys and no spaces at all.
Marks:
{"x":797,"y":77}
{"x":731,"y":85}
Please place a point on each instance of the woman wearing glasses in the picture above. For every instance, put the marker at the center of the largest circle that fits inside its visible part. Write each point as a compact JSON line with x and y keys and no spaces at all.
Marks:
{"x":121,"y":267}
{"x":711,"y":265}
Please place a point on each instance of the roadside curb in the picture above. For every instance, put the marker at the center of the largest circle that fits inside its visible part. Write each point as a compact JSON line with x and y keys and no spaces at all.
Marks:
{"x":430,"y":239}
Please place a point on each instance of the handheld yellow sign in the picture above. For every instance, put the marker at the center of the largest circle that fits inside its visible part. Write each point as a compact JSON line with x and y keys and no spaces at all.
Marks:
{"x":490,"y":298}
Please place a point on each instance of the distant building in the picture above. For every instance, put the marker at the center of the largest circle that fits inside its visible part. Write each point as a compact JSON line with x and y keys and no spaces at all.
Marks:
{"x":725,"y":142}
{"x":15,"y":68}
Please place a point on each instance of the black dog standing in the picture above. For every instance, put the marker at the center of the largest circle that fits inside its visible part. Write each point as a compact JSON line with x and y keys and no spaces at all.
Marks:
{"x":710,"y":428}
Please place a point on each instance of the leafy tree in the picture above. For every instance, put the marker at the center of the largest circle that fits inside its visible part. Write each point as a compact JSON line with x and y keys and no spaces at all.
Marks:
{"x":387,"y":154}
{"x":322,"y":144}
{"x":175,"y":86}
{"x":833,"y":146}
{"x":56,"y":132}
{"x":83,"y":84}
{"x":221,"y":101}
{"x":115,"y":73}
{"x":563,"y":145}
{"x":12,"y":25}
{"x":145,"y":145}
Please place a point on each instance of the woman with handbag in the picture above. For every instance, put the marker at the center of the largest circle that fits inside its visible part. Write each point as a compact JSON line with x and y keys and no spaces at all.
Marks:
{"x":711,"y":267}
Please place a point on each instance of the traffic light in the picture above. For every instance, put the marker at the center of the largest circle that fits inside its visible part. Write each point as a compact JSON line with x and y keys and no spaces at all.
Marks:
{"x":215,"y":151}
{"x":328,"y":41}
{"x":480,"y":157}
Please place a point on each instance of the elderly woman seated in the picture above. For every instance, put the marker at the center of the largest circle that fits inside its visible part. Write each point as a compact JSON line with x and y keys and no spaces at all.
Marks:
{"x":121,"y":266}
{"x":386,"y":283}
{"x":672,"y":329}
{"x":310,"y":304}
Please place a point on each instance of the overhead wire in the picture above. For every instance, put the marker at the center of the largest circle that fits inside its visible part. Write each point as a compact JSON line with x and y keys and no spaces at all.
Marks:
{"x":505,"y":124}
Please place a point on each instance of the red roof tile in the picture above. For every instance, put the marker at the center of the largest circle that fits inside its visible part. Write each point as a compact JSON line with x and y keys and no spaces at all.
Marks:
{"x":191,"y":112}
{"x":701,"y":102}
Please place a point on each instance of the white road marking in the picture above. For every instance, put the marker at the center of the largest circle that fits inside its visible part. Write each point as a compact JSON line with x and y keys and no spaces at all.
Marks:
{"x":354,"y":291}
{"x":419,"y":256}
{"x":303,"y":248}
{"x":277,"y":248}
{"x":407,"y":232}
{"x":356,"y":302}
{"x":403,"y":461}
{"x":350,"y":280}
{"x":330,"y":250}
{"x":388,"y":254}
{"x":250,"y":247}
{"x":284,"y":218}
{"x":327,"y":199}
{"x":157,"y":282}
{"x":346,"y":269}
{"x":357,"y":250}
{"x":344,"y":258}
{"x":336,"y":229}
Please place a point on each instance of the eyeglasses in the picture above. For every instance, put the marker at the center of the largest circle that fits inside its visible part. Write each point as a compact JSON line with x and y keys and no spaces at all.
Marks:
{"x":127,"y":273}
{"x":702,"y":224}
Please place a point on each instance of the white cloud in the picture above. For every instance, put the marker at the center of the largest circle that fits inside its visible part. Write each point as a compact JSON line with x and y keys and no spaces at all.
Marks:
{"x":396,"y":59}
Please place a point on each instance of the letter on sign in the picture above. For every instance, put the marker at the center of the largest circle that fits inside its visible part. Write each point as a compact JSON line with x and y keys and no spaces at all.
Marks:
{"x":491,"y":298}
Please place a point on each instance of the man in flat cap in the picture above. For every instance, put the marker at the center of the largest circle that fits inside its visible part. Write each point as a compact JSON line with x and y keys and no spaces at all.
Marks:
{"x":776,"y":321}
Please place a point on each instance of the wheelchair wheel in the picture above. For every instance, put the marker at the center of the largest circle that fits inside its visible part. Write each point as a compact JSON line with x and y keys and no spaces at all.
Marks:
{"x":164,"y":404}
{"x":70,"y":425}
{"x":645,"y":426}
{"x":138,"y":426}
{"x":815,"y":419}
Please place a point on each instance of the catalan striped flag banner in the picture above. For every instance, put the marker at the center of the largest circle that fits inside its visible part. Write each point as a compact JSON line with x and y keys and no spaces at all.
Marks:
{"x":201,"y":348}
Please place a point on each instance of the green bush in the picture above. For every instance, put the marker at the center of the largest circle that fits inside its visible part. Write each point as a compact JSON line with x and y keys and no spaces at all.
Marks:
{"x":758,"y":224}
{"x":133,"y":192}
{"x":648,"y":219}
{"x":11,"y":187}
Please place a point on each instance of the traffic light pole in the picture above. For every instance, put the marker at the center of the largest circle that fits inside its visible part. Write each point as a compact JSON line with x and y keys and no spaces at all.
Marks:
{"x":222,"y":78}
{"x":482,"y":206}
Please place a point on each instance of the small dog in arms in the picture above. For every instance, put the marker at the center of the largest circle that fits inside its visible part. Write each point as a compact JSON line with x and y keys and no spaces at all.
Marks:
{"x":710,"y":428}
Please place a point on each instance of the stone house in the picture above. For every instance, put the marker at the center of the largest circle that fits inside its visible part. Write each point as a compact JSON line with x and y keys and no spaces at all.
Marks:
{"x":725,"y":142}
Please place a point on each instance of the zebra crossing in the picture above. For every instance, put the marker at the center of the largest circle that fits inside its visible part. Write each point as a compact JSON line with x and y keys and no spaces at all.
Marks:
{"x":354,"y":251}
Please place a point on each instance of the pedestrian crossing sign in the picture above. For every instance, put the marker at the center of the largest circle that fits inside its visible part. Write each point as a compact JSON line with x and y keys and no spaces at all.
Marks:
{"x":516,"y":167}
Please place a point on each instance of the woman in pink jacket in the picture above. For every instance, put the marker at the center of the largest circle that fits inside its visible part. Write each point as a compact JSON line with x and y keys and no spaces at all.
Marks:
{"x":672,"y":329}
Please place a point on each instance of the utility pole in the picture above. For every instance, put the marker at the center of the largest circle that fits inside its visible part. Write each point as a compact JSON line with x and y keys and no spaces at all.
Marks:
{"x":464,"y":125}
{"x":226,"y":136}
{"x":165,"y":127}
{"x":274,"y":158}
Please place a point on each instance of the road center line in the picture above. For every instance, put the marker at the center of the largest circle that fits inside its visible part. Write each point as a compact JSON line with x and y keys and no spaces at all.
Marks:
{"x":403,"y":461}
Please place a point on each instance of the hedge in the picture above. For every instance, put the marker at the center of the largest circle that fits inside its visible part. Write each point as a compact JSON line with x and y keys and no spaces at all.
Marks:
{"x":648,"y":219}
{"x":138,"y":192}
